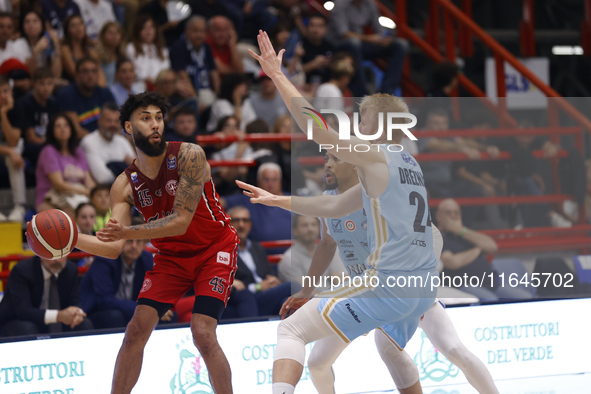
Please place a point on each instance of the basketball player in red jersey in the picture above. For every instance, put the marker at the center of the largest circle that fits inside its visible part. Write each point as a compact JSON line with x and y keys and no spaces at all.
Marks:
{"x":170,"y":184}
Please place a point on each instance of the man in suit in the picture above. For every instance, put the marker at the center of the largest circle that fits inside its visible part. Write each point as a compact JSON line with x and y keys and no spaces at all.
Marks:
{"x":110,"y":288}
{"x":42,"y":296}
{"x":254,"y":274}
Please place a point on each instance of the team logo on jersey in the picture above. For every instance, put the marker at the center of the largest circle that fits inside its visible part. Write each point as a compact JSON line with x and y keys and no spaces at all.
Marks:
{"x":408,"y":159}
{"x":364,"y":225}
{"x":192,"y":375}
{"x":337,"y":226}
{"x":134,"y":177}
{"x":158,"y":193}
{"x":171,"y":187}
{"x":350,"y":225}
{"x":171,"y":162}
{"x":146,"y":286}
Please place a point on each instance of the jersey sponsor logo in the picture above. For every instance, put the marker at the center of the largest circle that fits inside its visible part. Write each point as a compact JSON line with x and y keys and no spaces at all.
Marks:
{"x":364,"y":225}
{"x":146,"y":286}
{"x":352,"y":312}
{"x":134,"y":177}
{"x":350,"y":225}
{"x":419,"y":242}
{"x":337,"y":226}
{"x":408,"y":159}
{"x":356,"y":269}
{"x":171,"y":162}
{"x":223,"y":257}
{"x":139,"y":187}
{"x":343,"y":243}
{"x":171,"y":187}
{"x":145,"y":198}
{"x":349,"y":255}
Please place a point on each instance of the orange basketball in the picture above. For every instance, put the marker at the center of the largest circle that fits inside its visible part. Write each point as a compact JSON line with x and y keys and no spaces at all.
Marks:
{"x":51,"y":234}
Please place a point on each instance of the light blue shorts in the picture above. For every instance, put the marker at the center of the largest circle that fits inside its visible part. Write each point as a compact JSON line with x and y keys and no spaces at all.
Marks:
{"x":354,"y":311}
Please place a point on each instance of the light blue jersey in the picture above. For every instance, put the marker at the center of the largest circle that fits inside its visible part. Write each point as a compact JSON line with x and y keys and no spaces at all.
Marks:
{"x":398,"y":221}
{"x":350,"y":234}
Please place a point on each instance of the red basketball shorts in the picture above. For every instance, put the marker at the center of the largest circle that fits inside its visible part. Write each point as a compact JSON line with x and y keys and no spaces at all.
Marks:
{"x":210,"y":273}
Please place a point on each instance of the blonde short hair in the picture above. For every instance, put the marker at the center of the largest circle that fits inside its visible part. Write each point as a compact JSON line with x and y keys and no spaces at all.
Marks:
{"x":384,"y":103}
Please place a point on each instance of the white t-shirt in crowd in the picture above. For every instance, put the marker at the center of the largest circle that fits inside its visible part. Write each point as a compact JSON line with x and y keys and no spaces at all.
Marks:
{"x":18,"y":49}
{"x":149,"y":64}
{"x":329,"y":96}
{"x":95,"y":15}
{"x":222,"y":107}
{"x":99,"y":152}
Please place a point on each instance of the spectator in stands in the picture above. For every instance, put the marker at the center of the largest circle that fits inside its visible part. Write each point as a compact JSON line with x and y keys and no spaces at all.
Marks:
{"x":107,"y":152}
{"x":42,"y":296}
{"x":254,"y":273}
{"x":147,"y":51}
{"x":63,"y":179}
{"x":222,"y":39}
{"x":184,"y":126}
{"x":588,"y":186}
{"x":18,"y":73}
{"x":348,"y":21}
{"x":8,"y":48}
{"x":168,"y":85}
{"x":317,"y":51}
{"x":12,"y":147}
{"x":56,"y":11}
{"x":34,"y":111}
{"x":267,"y":103}
{"x":263,"y":229}
{"x":208,"y":8}
{"x":192,"y":60}
{"x":124,"y":77}
{"x":330,"y":94}
{"x":42,"y":48}
{"x":95,"y":14}
{"x":110,"y":49}
{"x":233,"y":100}
{"x":224,"y":177}
{"x":110,"y":288}
{"x":284,"y":37}
{"x":172,"y":30}
{"x":292,"y":171}
{"x":85,"y":218}
{"x":83,"y":99}
{"x":77,"y":45}
{"x":100,"y":198}
{"x":445,"y":77}
{"x":464,"y":252}
{"x":296,"y":261}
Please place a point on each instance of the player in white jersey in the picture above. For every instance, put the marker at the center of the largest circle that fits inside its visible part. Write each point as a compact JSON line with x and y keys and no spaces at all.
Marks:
{"x":348,"y":234}
{"x":391,"y":182}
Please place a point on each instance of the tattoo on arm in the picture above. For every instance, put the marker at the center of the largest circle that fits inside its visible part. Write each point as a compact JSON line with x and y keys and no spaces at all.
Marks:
{"x":191,"y":176}
{"x":130,"y":200}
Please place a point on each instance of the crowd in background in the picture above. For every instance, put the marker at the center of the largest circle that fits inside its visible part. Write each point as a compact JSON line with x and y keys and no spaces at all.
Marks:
{"x":67,"y":65}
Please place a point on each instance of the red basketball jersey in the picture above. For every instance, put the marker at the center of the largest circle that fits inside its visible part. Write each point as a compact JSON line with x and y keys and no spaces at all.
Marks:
{"x":154,"y":199}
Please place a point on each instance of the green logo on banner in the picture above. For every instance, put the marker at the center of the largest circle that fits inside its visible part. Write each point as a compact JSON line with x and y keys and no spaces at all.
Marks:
{"x":432,"y":364}
{"x":192,"y":377}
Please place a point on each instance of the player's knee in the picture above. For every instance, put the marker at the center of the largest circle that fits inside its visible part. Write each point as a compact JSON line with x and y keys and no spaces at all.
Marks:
{"x":204,"y":337}
{"x":385,"y":346}
{"x":286,"y":330}
{"x":136,"y":334}
{"x":316,"y":364}
{"x":454,"y":353}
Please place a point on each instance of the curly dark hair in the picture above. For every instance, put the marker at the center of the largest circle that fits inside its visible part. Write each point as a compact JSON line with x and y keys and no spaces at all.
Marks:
{"x":142,"y":100}
{"x":50,"y":139}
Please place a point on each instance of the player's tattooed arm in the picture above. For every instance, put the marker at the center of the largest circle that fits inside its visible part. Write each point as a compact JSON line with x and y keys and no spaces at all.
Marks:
{"x":192,"y":172}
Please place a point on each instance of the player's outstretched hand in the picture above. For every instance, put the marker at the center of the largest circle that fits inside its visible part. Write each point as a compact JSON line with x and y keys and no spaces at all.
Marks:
{"x":257,"y":195}
{"x":294,"y":303}
{"x":269,"y":60}
{"x":113,"y":231}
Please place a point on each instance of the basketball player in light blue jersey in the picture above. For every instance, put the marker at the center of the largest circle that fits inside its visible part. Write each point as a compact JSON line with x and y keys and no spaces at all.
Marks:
{"x":393,"y":196}
{"x":349,"y":235}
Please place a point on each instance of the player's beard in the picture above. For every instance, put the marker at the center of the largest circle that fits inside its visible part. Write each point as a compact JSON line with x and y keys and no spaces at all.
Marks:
{"x":145,"y":145}
{"x":334,"y":184}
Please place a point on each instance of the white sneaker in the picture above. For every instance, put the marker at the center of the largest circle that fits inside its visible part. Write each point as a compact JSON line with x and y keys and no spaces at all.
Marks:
{"x":3,"y":217}
{"x":557,"y":220}
{"x":17,"y":214}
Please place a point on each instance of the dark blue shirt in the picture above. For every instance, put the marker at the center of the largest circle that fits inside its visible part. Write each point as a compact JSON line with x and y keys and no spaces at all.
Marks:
{"x":88,"y":109}
{"x":456,"y":244}
{"x":56,"y":15}
{"x":197,"y":63}
{"x":32,"y":114}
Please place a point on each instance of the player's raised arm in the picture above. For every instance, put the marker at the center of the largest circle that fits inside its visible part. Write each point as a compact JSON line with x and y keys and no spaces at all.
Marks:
{"x":271,"y":64}
{"x":320,"y":206}
{"x":121,"y":202}
{"x":192,"y":172}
